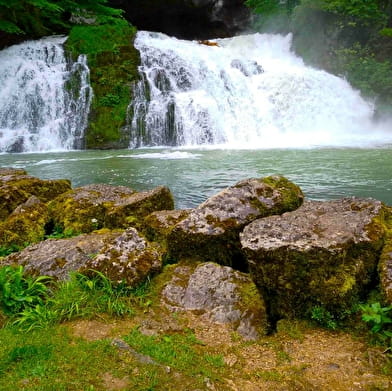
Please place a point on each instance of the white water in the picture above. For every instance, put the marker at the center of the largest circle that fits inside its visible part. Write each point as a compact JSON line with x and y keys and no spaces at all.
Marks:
{"x":37,"y":112}
{"x":249,"y":92}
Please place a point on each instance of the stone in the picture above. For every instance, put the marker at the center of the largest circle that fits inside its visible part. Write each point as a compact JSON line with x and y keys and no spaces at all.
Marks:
{"x":158,"y":225}
{"x":131,"y":210}
{"x":385,"y":264}
{"x":59,"y":257}
{"x":213,"y":227}
{"x":93,"y":207}
{"x":127,"y":258}
{"x":25,"y":225}
{"x":83,"y":209}
{"x":322,"y":254}
{"x":217,"y":294}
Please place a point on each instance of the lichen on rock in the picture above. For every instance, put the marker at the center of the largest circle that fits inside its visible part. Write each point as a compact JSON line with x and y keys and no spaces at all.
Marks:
{"x":323,"y":253}
{"x":385,"y":264}
{"x":127,"y":258}
{"x":213,"y":227}
{"x":217,"y":294}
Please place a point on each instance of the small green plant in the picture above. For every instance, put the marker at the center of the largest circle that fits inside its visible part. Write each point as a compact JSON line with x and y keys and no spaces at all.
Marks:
{"x":380,"y":320}
{"x":7,"y":250}
{"x":18,"y":292}
{"x":323,"y":317}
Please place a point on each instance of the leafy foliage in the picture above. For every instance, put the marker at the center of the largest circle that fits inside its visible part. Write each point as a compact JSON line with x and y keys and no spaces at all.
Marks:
{"x":38,"y":17}
{"x":380,"y":320}
{"x":19,"y":292}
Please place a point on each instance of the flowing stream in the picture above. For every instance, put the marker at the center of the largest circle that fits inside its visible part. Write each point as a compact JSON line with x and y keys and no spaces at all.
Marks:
{"x":44,"y":101}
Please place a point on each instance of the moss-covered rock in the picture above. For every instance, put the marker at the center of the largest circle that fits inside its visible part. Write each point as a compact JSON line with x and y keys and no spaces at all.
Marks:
{"x":113,"y":62}
{"x":83,"y":209}
{"x":16,"y":187}
{"x":127,"y":258}
{"x":59,"y":257}
{"x":323,"y":254}
{"x":131,"y":210}
{"x":213,"y":227}
{"x":217,"y":294}
{"x":385,"y":264}
{"x":158,"y":225}
{"x":26,"y":225}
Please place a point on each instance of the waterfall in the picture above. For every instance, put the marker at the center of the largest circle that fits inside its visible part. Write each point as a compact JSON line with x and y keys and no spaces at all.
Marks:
{"x":249,"y":91}
{"x":44,"y":102}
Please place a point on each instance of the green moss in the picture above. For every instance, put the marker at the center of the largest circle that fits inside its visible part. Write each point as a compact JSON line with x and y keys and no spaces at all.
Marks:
{"x":113,"y":63}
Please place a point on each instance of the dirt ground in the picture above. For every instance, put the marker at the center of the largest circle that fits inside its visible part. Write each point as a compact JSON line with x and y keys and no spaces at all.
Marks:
{"x":296,"y":357}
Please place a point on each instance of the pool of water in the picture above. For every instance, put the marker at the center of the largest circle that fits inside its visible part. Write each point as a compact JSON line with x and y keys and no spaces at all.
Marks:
{"x":195,"y":174}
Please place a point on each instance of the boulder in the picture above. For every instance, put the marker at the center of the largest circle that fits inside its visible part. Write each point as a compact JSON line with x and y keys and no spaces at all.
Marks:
{"x":324,"y":254}
{"x":127,"y":258}
{"x":83,"y":209}
{"x":44,"y":189}
{"x":92,"y":207}
{"x":16,"y":187}
{"x":385,"y":264}
{"x":158,"y":225}
{"x":59,"y":257}
{"x":218,"y":294}
{"x":25,"y":225}
{"x":211,"y":231}
{"x":131,"y":210}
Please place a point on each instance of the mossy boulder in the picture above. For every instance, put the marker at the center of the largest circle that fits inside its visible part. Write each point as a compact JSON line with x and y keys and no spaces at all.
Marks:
{"x":213,"y":227}
{"x":131,"y":210}
{"x":59,"y":257}
{"x":322,"y":254}
{"x":385,"y":264}
{"x":83,"y":209}
{"x":16,"y":187}
{"x":158,"y":225}
{"x":127,"y":258}
{"x":25,"y":225}
{"x":217,"y":294}
{"x":88,"y":208}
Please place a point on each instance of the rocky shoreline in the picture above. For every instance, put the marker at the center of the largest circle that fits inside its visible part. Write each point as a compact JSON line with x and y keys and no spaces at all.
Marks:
{"x":248,"y":256}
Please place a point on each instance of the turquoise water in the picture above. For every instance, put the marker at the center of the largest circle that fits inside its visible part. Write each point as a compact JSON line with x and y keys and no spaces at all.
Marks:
{"x":193,"y":175}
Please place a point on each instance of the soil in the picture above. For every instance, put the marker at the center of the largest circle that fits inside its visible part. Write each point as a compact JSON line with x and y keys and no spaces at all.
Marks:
{"x":297,"y":357}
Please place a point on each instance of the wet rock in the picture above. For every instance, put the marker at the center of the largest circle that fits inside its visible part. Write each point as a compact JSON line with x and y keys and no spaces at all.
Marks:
{"x":92,"y":207}
{"x":211,"y":231}
{"x":58,"y":257}
{"x":25,"y":225}
{"x":324,"y":253}
{"x":10,"y":198}
{"x":218,"y":294}
{"x":83,"y":209}
{"x":128,"y":257}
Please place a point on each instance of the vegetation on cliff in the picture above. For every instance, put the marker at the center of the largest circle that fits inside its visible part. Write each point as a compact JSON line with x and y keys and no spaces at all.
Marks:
{"x":346,"y":37}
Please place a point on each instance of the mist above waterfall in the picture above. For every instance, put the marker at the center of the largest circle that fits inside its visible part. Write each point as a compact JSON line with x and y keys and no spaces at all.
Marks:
{"x":250,"y":91}
{"x":39,"y":111}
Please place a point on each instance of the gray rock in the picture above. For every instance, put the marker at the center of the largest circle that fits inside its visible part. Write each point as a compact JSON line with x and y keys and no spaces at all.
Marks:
{"x":128,"y":258}
{"x":218,"y":294}
{"x":58,"y":257}
{"x":324,"y":253}
{"x":211,"y":231}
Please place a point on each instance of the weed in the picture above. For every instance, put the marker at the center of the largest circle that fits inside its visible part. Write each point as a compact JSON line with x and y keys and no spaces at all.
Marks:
{"x":7,"y":250}
{"x":380,"y":320}
{"x":323,"y":317}
{"x":18,"y":292}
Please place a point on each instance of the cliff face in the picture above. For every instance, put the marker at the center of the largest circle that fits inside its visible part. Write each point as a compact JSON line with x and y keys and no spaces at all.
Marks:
{"x":188,"y":19}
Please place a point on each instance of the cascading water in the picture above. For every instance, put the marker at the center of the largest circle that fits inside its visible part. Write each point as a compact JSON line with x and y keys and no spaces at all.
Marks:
{"x":249,"y":91}
{"x":44,"y":101}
